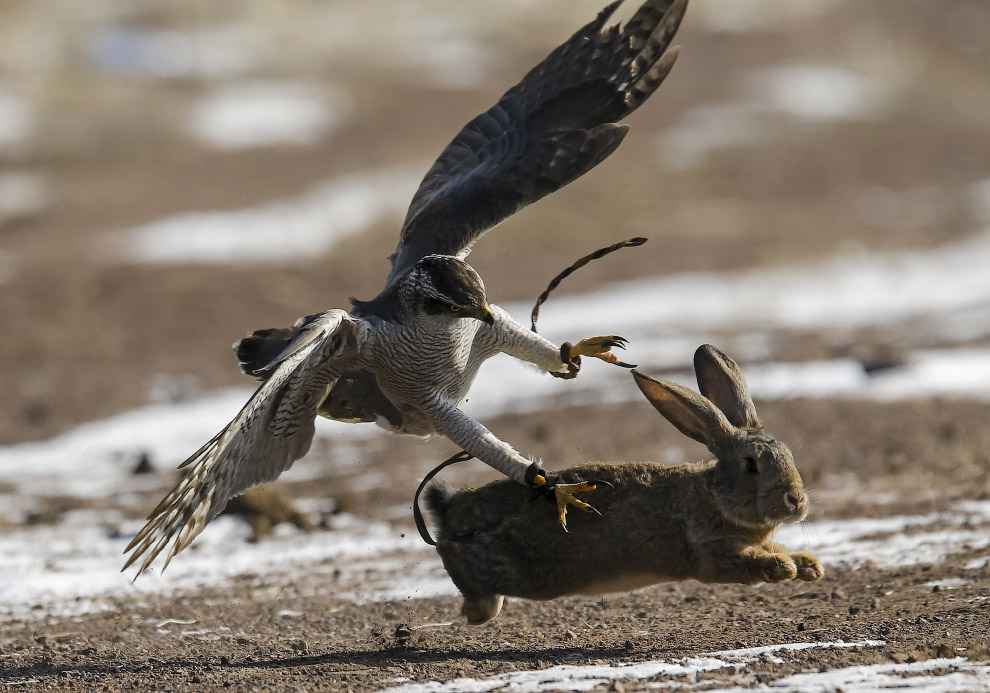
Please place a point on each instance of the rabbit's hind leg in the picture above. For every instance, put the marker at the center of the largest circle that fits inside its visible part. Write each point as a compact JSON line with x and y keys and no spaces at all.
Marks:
{"x":479,"y":610}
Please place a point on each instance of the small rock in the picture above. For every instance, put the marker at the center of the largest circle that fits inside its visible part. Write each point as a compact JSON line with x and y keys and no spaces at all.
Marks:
{"x":874,"y":603}
{"x":853,"y":609}
{"x":617,"y":687}
{"x":837,"y":594}
{"x":144,"y":465}
{"x":403,"y":633}
{"x":570,"y":635}
{"x":936,"y":588}
{"x":801,"y":627}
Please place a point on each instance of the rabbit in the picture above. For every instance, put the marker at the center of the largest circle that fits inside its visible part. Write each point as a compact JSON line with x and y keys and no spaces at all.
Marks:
{"x":711,"y":521}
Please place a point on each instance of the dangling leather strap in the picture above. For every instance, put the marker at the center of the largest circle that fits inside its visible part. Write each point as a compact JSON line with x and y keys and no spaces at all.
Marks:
{"x":555,"y":282}
{"x":417,"y":513}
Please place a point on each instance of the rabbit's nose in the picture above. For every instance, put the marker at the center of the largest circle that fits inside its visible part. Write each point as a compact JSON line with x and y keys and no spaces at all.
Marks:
{"x":793,"y":500}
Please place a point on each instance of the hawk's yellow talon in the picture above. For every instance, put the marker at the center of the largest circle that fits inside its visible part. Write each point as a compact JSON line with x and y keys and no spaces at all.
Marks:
{"x":564,"y":495}
{"x":598,"y":347}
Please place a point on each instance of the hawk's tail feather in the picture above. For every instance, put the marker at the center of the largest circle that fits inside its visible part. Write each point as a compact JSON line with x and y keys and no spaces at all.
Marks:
{"x":185,"y":511}
{"x":257,"y":350}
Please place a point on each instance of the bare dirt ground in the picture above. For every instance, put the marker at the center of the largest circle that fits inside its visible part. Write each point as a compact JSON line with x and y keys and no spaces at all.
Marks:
{"x":243,"y":644}
{"x":86,"y":337}
{"x":260,"y":634}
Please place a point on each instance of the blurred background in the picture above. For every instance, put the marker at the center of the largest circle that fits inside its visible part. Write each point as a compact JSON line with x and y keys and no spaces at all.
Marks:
{"x":814,"y":178}
{"x":176,"y":175}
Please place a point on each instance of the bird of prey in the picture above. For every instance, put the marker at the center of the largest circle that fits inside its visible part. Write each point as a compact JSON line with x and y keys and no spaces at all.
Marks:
{"x":407,"y":357}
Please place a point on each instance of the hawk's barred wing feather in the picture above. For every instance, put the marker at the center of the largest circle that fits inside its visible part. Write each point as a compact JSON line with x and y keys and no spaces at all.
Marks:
{"x":272,"y":431}
{"x":554,"y":126}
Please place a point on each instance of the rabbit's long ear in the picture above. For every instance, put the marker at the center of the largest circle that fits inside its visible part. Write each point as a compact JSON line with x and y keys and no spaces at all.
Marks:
{"x":691,"y":414}
{"x":722,"y":382}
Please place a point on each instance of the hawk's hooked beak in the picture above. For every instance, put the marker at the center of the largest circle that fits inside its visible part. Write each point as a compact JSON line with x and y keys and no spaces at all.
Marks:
{"x":485,"y":315}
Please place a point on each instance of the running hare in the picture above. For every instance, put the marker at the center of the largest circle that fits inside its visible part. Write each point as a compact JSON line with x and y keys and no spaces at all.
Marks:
{"x":711,"y":521}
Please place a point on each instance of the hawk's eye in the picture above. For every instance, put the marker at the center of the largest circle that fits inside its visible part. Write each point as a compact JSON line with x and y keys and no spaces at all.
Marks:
{"x":751,"y":465}
{"x":455,"y":308}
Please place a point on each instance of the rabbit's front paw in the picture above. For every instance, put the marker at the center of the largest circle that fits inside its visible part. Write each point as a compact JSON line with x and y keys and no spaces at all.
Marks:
{"x":809,"y":568}
{"x":777,"y":568}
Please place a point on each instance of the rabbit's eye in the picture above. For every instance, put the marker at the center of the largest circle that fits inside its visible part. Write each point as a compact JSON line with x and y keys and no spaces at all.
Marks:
{"x":751,"y":465}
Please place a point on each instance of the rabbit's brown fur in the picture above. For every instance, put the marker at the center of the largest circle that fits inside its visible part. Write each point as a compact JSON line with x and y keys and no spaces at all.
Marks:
{"x":711,"y":521}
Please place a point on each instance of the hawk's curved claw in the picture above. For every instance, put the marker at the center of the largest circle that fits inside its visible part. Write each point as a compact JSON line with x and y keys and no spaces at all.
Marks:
{"x":598,"y":347}
{"x":563,"y":495}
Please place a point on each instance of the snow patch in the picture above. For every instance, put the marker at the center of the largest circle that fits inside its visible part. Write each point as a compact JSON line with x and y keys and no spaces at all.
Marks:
{"x":258,"y":114}
{"x":817,"y":92}
{"x":963,"y":677}
{"x":74,"y":568}
{"x":883,"y":542}
{"x":584,"y":678}
{"x":277,"y":232}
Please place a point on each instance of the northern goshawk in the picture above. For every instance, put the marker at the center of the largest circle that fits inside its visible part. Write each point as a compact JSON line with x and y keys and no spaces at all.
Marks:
{"x":407,"y":358}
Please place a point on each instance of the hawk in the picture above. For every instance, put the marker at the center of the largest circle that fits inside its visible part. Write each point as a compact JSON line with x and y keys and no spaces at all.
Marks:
{"x":407,"y":357}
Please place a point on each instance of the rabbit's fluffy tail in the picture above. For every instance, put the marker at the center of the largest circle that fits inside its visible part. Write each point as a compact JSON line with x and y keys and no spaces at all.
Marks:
{"x":437,"y":497}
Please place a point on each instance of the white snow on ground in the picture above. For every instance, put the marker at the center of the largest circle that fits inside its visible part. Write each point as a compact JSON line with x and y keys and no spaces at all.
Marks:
{"x":285,"y":231}
{"x":845,"y":292}
{"x":768,"y":651}
{"x":942,"y":293}
{"x":256,"y":114}
{"x":817,"y":92}
{"x":95,"y":460}
{"x":583,"y":678}
{"x":882,"y":541}
{"x":963,"y":677}
{"x":73,"y":567}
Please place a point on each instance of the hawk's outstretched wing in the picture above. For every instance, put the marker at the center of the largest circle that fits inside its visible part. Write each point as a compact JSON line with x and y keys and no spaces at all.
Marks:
{"x":272,"y":431}
{"x":555,"y":125}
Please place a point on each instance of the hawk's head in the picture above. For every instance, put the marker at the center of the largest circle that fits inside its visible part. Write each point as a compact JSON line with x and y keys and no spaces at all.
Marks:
{"x":444,"y":285}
